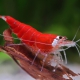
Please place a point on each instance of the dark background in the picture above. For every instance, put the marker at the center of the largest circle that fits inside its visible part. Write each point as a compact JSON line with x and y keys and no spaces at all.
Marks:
{"x":60,"y":17}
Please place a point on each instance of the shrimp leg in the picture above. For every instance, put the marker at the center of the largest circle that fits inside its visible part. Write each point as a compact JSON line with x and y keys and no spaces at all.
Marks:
{"x":35,"y":56}
{"x":44,"y":61}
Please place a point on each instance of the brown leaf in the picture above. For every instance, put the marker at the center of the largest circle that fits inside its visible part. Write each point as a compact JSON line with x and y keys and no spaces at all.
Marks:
{"x":24,"y":57}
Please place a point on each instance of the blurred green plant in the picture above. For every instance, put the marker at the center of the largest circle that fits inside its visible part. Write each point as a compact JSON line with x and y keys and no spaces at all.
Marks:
{"x":3,"y":56}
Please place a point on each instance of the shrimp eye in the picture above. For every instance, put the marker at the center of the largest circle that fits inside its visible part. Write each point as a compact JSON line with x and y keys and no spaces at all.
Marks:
{"x":60,"y":37}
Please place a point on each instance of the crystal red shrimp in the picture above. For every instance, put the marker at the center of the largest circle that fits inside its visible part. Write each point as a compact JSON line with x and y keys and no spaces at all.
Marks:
{"x":31,"y":36}
{"x":37,"y":41}
{"x":46,"y":43}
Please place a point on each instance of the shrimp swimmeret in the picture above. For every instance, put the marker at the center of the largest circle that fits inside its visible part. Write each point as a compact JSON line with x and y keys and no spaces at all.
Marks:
{"x":39,"y":43}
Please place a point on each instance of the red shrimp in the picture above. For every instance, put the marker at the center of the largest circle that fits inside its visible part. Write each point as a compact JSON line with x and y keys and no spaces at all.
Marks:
{"x":37,"y":41}
{"x":31,"y":36}
{"x":45,"y":42}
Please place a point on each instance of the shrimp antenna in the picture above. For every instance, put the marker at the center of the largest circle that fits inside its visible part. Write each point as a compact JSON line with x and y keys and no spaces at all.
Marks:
{"x":76,"y":33}
{"x":78,"y":50}
{"x":65,"y":56}
{"x":78,"y":40}
{"x":9,"y":37}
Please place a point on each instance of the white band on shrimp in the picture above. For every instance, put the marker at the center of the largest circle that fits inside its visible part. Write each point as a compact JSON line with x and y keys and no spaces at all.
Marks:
{"x":3,"y":18}
{"x":55,"y":41}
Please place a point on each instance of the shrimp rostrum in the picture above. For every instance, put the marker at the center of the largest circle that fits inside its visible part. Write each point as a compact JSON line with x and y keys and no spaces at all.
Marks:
{"x":37,"y":42}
